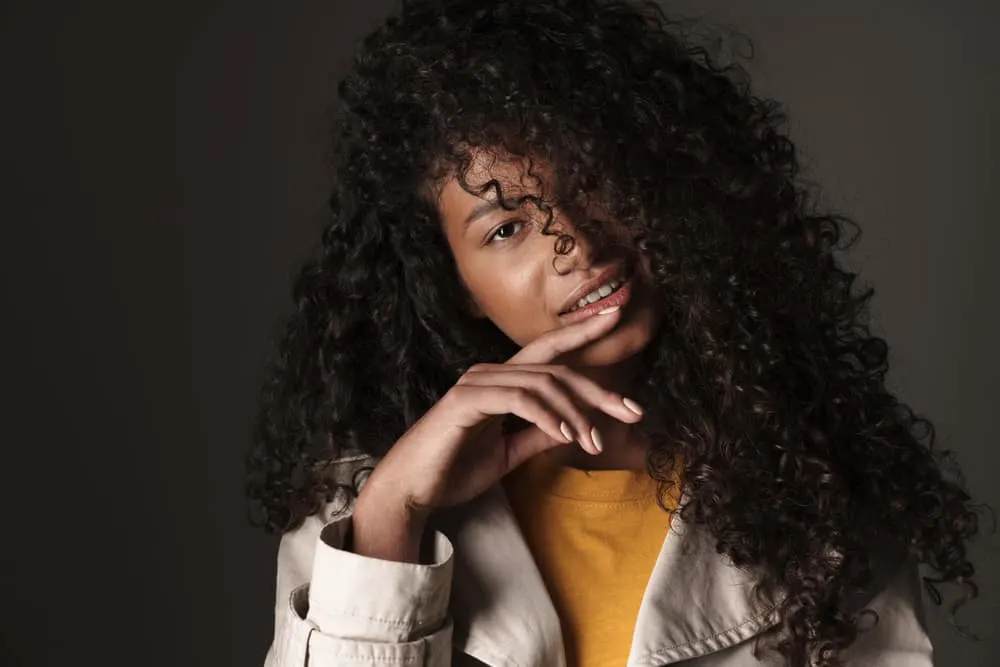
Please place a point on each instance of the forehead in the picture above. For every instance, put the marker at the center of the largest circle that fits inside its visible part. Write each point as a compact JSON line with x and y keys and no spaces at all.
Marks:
{"x":490,"y":174}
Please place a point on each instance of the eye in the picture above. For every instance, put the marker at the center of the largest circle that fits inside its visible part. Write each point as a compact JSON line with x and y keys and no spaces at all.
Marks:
{"x":506,"y":231}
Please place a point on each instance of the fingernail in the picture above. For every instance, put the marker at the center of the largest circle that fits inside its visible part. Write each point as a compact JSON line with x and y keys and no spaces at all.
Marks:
{"x":596,"y":437}
{"x":567,"y":432}
{"x":633,"y":406}
{"x":608,"y":311}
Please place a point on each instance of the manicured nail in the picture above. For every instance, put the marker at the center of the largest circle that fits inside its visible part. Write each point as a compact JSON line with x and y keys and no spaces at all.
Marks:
{"x":596,"y":437}
{"x":608,"y":311}
{"x":633,"y":406}
{"x":567,"y":432}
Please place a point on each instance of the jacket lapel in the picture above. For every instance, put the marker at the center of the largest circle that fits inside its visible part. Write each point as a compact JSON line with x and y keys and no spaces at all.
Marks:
{"x":501,"y":610}
{"x":696,"y":602}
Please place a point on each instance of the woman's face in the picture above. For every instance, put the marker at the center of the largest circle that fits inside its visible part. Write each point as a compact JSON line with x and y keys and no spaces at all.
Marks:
{"x":508,"y":267}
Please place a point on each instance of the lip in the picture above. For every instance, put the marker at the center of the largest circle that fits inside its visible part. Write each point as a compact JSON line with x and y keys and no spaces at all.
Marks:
{"x":589,"y":286}
{"x":619,"y":297}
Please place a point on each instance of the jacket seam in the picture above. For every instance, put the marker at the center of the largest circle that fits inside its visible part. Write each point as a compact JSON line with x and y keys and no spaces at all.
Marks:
{"x":753,"y":619}
{"x":386,"y":621}
{"x":348,"y":459}
{"x":484,"y":647}
{"x":377,"y":658}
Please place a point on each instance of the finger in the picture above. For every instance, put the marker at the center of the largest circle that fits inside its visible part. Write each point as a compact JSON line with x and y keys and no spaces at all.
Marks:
{"x":583,"y":390}
{"x":491,"y":401}
{"x":552,"y":392}
{"x":525,"y":444}
{"x":610,"y":402}
{"x":546,"y":348}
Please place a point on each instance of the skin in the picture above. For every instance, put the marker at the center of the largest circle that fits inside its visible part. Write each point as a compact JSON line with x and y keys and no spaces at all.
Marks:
{"x":507,"y":267}
{"x":570,"y":373}
{"x":458,"y":449}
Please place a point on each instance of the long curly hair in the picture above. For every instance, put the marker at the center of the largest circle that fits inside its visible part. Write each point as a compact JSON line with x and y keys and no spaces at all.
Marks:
{"x":764,"y":378}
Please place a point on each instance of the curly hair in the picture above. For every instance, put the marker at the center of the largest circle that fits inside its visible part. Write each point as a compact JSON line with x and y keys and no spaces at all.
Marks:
{"x":764,"y":378}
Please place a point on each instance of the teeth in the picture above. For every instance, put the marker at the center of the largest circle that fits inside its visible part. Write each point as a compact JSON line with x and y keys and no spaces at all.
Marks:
{"x":599,"y":293}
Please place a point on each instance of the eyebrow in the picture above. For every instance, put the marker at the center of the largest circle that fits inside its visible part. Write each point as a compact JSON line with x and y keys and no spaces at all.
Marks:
{"x":481,"y":210}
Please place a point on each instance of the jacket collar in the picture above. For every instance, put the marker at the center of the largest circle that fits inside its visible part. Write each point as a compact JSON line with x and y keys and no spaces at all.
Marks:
{"x":696,"y":602}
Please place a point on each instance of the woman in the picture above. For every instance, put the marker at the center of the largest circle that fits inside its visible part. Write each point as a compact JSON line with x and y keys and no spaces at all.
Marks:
{"x":576,"y":376}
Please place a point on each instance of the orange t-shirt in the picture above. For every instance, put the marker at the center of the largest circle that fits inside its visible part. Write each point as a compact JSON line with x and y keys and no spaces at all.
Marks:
{"x":595,"y":536}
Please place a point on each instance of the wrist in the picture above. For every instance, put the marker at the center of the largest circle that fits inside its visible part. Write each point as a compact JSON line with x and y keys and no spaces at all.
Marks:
{"x":386,"y":527}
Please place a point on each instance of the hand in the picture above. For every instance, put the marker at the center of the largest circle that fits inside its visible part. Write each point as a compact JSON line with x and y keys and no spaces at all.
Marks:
{"x":457,"y":450}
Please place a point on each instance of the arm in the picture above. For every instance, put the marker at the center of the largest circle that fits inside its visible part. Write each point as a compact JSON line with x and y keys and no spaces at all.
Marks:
{"x":379,"y":604}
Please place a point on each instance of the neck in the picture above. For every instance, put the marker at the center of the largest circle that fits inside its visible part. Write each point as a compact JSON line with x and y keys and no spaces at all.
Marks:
{"x":618,"y":377}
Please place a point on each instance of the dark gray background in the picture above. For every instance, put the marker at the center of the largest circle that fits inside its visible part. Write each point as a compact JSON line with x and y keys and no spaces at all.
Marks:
{"x":161,"y":177}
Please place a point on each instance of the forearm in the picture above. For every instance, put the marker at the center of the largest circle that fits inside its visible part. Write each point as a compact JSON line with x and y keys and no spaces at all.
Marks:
{"x":385,"y":528}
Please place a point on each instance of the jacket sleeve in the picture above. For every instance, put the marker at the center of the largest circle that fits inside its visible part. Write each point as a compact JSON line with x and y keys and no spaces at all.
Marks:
{"x":899,"y":638}
{"x":335,"y":608}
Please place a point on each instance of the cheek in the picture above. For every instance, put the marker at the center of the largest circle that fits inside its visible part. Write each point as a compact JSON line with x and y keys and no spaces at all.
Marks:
{"x":512,"y":302}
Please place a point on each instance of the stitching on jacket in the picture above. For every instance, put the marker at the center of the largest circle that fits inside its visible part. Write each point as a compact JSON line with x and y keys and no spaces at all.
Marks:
{"x":387,"y":659}
{"x":419,"y":623}
{"x":386,"y":621}
{"x":749,"y":621}
{"x":370,"y":658}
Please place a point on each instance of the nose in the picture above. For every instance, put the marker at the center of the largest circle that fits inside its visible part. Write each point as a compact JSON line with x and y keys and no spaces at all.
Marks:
{"x":574,"y":251}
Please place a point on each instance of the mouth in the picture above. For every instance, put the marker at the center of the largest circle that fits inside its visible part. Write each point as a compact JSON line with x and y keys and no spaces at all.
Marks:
{"x":613,"y":288}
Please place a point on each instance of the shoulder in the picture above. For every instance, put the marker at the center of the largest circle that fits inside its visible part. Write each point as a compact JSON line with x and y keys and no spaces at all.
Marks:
{"x":350,"y":469}
{"x":347,"y":474}
{"x":893,"y":572}
{"x":890,"y":615}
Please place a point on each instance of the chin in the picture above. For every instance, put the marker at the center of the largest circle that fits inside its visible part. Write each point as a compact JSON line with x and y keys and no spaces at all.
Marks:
{"x":626,"y":341}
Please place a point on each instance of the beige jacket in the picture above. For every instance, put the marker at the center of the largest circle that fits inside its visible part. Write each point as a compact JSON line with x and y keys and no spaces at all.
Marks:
{"x":482,"y":601}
